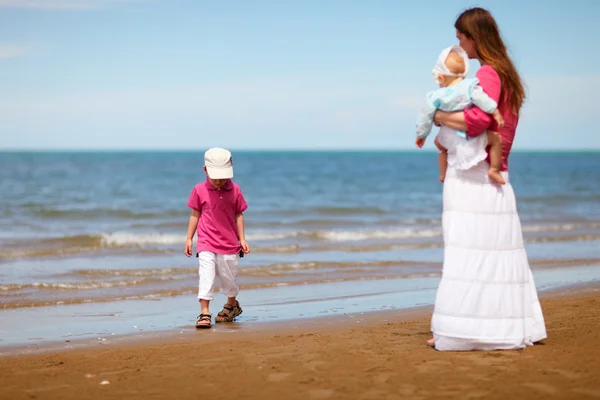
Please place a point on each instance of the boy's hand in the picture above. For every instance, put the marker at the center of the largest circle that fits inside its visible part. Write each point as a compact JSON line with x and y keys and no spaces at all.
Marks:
{"x":188,"y":248}
{"x":420,"y":142}
{"x":245,"y":246}
{"x":499,"y":120}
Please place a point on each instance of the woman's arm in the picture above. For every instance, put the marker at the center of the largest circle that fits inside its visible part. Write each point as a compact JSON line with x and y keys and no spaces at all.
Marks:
{"x":479,"y":121}
{"x":473,"y":120}
{"x":454,"y":120}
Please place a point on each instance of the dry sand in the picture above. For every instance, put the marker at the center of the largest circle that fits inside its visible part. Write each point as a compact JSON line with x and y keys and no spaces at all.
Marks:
{"x":375,"y":360}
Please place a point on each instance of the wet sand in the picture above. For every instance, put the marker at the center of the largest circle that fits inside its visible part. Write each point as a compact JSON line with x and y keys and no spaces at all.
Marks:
{"x":381,"y":357}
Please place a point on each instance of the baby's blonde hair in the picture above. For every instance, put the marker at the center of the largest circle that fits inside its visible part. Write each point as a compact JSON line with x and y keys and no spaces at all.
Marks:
{"x":455,"y":63}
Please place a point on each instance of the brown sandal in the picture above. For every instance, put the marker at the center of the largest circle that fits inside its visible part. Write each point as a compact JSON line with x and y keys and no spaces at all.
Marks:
{"x":204,"y":317}
{"x":229,"y":312}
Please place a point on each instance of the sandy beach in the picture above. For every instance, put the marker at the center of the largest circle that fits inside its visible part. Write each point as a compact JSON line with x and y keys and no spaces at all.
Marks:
{"x":382,"y":357}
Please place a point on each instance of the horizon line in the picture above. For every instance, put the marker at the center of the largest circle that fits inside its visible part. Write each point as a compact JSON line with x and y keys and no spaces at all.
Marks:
{"x":308,"y":149}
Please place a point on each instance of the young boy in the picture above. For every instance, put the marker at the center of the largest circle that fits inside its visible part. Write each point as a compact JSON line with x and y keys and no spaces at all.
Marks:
{"x":217,"y":206}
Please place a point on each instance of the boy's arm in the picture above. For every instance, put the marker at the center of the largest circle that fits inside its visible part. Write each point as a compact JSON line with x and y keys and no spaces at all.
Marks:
{"x":239,"y":220}
{"x":240,"y":207}
{"x":195,"y":204}
{"x":192,"y":226}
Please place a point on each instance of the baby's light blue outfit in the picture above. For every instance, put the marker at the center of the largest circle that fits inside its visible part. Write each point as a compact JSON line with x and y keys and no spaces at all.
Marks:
{"x":463,"y":152}
{"x":453,"y":98}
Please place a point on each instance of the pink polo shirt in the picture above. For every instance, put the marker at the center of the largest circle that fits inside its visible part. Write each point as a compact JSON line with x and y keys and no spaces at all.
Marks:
{"x":479,"y":122}
{"x":217,"y":229}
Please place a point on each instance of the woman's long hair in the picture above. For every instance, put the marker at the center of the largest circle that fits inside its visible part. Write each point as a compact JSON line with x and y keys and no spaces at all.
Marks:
{"x":479,"y":25}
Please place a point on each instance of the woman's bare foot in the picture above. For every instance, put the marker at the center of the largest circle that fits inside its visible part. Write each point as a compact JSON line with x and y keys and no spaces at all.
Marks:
{"x":496,"y":176}
{"x":431,"y":342}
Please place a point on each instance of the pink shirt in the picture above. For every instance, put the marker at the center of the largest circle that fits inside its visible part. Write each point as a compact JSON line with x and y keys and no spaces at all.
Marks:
{"x":479,"y":122}
{"x":217,"y":229}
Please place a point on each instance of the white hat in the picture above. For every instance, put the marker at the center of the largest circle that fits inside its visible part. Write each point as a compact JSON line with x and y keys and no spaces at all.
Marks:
{"x":218,"y":163}
{"x":440,"y":66}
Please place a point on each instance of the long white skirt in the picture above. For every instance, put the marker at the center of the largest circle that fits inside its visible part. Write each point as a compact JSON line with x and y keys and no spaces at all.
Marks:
{"x":486,"y":299}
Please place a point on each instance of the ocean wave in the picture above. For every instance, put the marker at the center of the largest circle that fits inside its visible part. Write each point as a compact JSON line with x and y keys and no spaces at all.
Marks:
{"x":66,"y":297}
{"x":332,"y":211}
{"x":390,"y":233}
{"x":560,"y":199}
{"x":153,"y":272}
{"x":561,"y":227}
{"x":349,"y":235}
{"x":563,"y":238}
{"x":257,"y":270}
{"x":87,"y":285}
{"x":146,"y":285}
{"x":281,"y":241}
{"x":45,"y":212}
{"x":367,"y":210}
{"x":370,"y":234}
{"x":100,"y":213}
{"x":262,"y":235}
{"x":140,"y":239}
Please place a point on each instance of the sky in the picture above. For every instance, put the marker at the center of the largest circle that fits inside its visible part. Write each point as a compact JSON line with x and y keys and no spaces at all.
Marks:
{"x":310,"y":74}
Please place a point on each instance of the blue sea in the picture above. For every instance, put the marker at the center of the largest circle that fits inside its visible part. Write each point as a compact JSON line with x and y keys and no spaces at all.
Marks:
{"x":91,"y":243}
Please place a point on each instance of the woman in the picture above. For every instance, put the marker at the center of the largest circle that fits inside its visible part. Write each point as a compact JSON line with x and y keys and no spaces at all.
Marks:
{"x":486,"y":299}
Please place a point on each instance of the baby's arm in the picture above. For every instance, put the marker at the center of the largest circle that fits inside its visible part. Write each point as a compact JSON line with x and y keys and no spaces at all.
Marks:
{"x":486,"y":104}
{"x":425,"y":118}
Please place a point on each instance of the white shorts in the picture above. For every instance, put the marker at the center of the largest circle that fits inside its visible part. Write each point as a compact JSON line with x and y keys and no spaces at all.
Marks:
{"x":211,"y":265}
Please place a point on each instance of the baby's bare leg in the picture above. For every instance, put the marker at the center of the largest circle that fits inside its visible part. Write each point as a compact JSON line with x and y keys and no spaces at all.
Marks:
{"x":442,"y":159}
{"x":495,"y":142}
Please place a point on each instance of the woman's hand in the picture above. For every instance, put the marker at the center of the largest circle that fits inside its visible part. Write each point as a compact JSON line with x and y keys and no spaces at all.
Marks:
{"x":453,"y":120}
{"x":436,"y":122}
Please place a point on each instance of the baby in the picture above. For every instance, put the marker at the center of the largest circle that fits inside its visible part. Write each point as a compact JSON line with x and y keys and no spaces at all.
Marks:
{"x":456,"y":94}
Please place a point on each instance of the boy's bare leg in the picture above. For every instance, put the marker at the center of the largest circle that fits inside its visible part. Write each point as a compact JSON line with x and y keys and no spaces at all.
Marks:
{"x":231,"y":301}
{"x":495,"y":142}
{"x":442,"y":159}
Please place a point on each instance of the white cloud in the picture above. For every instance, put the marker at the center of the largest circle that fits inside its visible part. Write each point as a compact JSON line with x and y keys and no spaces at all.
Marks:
{"x":558,"y":112}
{"x":412,"y":101}
{"x":12,"y":50}
{"x":62,"y":4}
{"x":287,"y":112}
{"x":559,"y":97}
{"x":240,"y":101}
{"x":291,"y":112}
